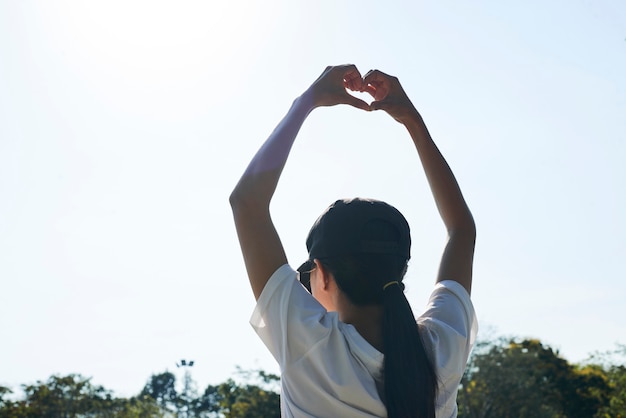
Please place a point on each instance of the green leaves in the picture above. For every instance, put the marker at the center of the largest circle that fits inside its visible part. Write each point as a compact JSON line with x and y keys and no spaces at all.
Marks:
{"x":256,"y":398}
{"x":74,"y":396}
{"x":527,"y":379}
{"x":162,"y":389}
{"x":505,"y":378}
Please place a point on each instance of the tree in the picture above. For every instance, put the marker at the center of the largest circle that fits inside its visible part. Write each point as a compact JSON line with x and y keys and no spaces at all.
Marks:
{"x":585,"y":392}
{"x":75,"y":396}
{"x":135,"y":407}
{"x":64,"y":396}
{"x":209,"y":404}
{"x":502,"y":382}
{"x":256,"y":398}
{"x":4,"y":391}
{"x":247,"y":401}
{"x":522,"y":379}
{"x":616,"y":406}
{"x":613,"y":364}
{"x":162,"y":388}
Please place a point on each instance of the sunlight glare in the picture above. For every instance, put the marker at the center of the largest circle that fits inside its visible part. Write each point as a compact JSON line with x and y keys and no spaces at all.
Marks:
{"x":140,"y":47}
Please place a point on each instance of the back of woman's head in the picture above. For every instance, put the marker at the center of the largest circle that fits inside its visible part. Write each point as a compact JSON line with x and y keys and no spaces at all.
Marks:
{"x":365,"y":244}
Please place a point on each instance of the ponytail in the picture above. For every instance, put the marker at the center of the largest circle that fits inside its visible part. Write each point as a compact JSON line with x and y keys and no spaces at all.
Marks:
{"x":410,"y":379}
{"x":409,"y":376}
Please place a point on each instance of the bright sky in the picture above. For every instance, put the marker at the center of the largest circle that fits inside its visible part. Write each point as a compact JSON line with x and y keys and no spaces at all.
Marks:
{"x":125,"y":125}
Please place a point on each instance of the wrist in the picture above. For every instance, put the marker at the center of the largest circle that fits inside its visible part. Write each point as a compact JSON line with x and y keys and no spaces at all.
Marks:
{"x":416,"y":127}
{"x":306,"y":100}
{"x":411,"y":118}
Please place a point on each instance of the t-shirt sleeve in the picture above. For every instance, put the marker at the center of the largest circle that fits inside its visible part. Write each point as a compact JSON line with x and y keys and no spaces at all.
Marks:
{"x":287,"y":318}
{"x":451,"y":325}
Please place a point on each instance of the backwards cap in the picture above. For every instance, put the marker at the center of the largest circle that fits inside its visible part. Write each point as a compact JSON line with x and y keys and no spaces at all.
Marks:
{"x":359,"y":226}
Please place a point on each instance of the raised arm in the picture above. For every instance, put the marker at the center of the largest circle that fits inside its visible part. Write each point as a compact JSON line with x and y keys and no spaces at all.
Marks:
{"x":457,"y":260}
{"x":260,"y":244}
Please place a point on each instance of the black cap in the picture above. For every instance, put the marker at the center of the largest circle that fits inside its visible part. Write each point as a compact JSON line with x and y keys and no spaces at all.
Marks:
{"x":359,"y":226}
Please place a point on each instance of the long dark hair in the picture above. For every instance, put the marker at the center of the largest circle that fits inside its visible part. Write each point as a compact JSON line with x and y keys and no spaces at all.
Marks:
{"x":409,"y":376}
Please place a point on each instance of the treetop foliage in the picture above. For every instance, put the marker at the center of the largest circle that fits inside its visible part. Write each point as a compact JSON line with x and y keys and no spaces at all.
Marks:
{"x":505,"y":378}
{"x":74,"y":396}
{"x":526,"y":379}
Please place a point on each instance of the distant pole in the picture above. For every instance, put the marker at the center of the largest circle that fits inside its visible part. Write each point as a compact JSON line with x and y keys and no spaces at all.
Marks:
{"x":186,"y":395}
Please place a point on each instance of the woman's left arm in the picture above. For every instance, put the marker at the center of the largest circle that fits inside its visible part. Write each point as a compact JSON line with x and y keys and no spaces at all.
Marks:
{"x":260,"y":244}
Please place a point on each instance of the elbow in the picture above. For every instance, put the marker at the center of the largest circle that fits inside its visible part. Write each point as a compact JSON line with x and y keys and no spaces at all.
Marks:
{"x":471,"y":226}
{"x":235,"y":198}
{"x":465,"y":229}
{"x":238,"y":200}
{"x":241,"y":194}
{"x":243,"y":199}
{"x":239,"y":197}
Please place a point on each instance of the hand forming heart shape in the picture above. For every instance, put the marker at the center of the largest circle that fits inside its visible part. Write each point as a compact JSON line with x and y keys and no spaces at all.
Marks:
{"x":343,"y":84}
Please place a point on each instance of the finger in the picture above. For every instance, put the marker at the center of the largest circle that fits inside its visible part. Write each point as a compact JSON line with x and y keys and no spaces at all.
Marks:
{"x":368,"y":88}
{"x":380,"y":105}
{"x":352,"y":78}
{"x":378,"y":90}
{"x":378,"y":74}
{"x":356,"y":84}
{"x":369,"y":73}
{"x":381,"y":83}
{"x":353,"y":84}
{"x":375,"y":76}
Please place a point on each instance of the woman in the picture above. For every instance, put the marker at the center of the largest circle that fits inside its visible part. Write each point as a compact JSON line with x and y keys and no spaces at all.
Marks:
{"x":352,"y":347}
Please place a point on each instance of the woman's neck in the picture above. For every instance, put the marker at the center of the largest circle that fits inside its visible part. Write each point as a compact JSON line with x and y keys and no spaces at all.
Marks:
{"x":366,"y":319}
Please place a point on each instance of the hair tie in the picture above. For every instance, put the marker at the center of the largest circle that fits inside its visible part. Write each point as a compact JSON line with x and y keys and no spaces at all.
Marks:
{"x":390,"y":284}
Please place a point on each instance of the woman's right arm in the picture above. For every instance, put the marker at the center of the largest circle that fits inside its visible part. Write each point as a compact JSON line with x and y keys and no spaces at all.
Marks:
{"x":457,"y":260}
{"x":260,"y":244}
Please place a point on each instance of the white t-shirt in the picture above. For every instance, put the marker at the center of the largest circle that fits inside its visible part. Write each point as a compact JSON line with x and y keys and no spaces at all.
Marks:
{"x":329,"y":370}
